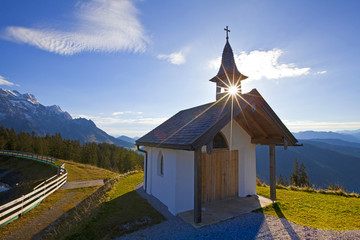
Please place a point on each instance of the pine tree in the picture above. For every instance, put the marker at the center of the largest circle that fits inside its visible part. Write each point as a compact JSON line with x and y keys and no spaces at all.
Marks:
{"x":280,"y":180}
{"x":103,"y":154}
{"x":286,"y":181}
{"x":303,"y":177}
{"x":299,"y":176}
{"x":294,"y":177}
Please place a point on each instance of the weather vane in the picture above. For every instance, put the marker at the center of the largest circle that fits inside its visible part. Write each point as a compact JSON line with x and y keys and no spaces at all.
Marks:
{"x":227,"y":32}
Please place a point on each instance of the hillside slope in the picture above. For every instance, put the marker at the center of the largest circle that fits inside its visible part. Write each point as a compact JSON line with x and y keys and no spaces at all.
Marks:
{"x":346,"y":148}
{"x":324,"y":165}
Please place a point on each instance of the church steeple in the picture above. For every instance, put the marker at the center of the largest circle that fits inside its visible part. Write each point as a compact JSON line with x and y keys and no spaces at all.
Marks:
{"x":228,"y":74}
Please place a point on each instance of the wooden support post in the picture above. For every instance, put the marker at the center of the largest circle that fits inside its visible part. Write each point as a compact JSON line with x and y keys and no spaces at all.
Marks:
{"x":197,"y":186}
{"x":272,"y":173}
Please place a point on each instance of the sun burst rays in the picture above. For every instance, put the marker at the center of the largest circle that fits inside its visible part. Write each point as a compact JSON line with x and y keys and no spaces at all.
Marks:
{"x":232,"y":92}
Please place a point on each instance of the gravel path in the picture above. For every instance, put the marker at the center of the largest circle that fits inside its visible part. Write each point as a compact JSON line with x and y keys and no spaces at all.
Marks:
{"x":247,"y":226}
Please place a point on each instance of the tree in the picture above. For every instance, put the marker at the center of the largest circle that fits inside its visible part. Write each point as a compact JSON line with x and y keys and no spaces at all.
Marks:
{"x":294,"y":177}
{"x":299,"y":176}
{"x":11,"y":139}
{"x":280,"y":180}
{"x":303,"y":177}
{"x":105,"y":155}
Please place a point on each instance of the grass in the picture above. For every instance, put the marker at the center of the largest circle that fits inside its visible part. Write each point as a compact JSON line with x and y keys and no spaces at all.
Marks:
{"x":312,"y":209}
{"x":30,"y":170}
{"x":84,"y":172}
{"x":76,"y":172}
{"x":77,"y":196}
{"x":122,"y":211}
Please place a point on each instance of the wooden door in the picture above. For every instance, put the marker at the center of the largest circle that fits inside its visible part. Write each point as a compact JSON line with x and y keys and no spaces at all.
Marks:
{"x":220,"y":179}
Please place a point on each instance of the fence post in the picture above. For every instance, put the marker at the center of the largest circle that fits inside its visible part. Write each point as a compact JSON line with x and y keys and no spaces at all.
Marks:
{"x":22,"y":205}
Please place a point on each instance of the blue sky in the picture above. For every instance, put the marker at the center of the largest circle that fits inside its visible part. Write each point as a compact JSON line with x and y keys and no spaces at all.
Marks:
{"x":130,"y":65}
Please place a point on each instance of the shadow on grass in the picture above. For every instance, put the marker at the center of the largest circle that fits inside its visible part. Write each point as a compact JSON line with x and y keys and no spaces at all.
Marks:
{"x":287,"y":226}
{"x":278,"y":211}
{"x":124,"y":214}
{"x":91,"y":220}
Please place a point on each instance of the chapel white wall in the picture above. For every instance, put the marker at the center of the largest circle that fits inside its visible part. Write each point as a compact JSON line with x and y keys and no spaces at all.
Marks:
{"x":184,"y":181}
{"x":162,"y":186}
{"x":175,"y":188}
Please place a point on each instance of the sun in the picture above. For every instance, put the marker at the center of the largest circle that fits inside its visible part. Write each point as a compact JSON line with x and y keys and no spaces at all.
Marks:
{"x":233,"y":90}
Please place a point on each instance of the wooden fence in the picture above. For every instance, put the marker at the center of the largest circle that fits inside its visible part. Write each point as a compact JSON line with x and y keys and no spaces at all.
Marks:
{"x":14,"y":209}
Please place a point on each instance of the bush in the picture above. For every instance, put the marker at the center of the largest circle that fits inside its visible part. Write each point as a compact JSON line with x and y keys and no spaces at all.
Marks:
{"x":258,"y":182}
{"x":336,"y":187}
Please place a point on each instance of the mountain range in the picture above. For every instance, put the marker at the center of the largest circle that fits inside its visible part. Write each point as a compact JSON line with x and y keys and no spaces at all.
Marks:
{"x":128,"y":139}
{"x":348,"y":136}
{"x":24,"y":113}
{"x":328,"y":158}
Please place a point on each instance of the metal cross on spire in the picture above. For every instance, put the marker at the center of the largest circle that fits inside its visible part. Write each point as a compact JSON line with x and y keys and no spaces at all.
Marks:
{"x":227,"y":32}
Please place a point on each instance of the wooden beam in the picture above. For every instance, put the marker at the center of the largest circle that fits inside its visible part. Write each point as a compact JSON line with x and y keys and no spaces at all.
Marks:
{"x":271,"y":116}
{"x":267,"y":141}
{"x":197,"y":185}
{"x":257,"y":125}
{"x":272,"y":173}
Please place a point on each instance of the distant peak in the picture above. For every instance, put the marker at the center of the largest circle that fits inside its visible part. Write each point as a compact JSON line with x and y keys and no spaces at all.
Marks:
{"x":9,"y":92}
{"x":18,"y":96}
{"x":55,"y":108}
{"x":30,"y":98}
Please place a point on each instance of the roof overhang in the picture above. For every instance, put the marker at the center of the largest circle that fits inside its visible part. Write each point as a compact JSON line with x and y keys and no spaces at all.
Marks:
{"x":262,"y":124}
{"x":252,"y":113}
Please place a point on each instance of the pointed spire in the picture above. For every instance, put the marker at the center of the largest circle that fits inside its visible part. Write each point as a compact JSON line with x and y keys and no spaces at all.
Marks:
{"x":228,"y":72}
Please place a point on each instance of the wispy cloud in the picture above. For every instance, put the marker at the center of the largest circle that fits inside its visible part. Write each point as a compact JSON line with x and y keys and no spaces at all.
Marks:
{"x":263,"y":64}
{"x":176,"y":58}
{"x":126,"y":112}
{"x":117,"y":113}
{"x":321,"y":72}
{"x":3,"y":81}
{"x":100,"y":25}
{"x":139,"y":121}
{"x":133,"y":125}
{"x":296,"y":126}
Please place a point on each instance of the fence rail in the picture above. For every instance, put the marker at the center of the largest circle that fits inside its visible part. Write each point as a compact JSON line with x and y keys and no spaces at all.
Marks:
{"x":14,"y":209}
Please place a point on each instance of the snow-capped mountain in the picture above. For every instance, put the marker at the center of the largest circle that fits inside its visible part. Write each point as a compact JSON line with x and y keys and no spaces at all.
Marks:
{"x":24,"y":113}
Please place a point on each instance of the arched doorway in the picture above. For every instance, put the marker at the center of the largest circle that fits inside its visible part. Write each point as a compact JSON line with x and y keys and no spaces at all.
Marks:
{"x":220,"y":179}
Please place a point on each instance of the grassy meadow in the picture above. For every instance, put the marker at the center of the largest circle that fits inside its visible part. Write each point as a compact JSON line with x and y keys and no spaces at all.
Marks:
{"x":314,"y":209}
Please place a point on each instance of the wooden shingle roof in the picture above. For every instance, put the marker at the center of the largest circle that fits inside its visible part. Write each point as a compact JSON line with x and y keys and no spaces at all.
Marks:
{"x":192,"y":128}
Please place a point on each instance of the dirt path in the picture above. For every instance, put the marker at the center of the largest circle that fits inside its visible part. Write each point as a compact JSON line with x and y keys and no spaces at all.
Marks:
{"x":31,"y":228}
{"x":81,"y":184}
